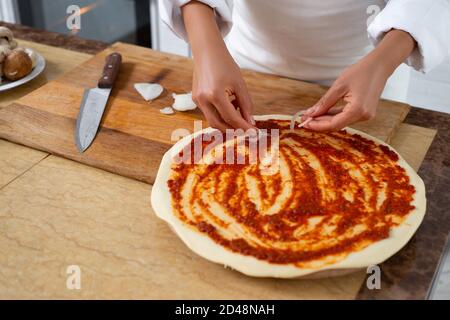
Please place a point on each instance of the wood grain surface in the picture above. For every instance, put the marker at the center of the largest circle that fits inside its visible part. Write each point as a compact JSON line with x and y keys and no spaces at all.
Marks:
{"x":134,"y":134}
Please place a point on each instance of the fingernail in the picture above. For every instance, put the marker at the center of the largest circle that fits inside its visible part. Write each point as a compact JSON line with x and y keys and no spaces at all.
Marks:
{"x":252,"y":121}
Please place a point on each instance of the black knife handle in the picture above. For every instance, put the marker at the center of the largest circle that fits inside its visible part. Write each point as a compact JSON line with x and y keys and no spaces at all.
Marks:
{"x":110,"y":70}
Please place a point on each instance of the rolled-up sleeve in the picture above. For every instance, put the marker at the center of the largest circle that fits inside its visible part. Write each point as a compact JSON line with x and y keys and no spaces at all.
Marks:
{"x":170,"y":12}
{"x":427,"y":21}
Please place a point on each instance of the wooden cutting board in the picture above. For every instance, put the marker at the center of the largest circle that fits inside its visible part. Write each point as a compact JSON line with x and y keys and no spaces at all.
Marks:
{"x":134,"y":134}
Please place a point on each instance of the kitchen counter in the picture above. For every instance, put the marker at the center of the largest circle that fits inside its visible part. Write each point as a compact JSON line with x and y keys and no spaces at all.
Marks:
{"x":427,"y":252}
{"x":39,"y":178}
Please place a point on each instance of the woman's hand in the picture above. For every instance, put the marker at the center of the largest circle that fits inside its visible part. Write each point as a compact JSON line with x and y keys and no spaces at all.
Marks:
{"x":217,"y":80}
{"x":360,"y":86}
{"x":218,"y":87}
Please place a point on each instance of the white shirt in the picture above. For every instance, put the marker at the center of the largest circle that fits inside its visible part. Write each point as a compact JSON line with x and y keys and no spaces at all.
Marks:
{"x":315,"y":40}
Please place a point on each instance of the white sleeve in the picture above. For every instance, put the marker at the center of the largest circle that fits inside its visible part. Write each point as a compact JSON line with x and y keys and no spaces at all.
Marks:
{"x":170,"y":12}
{"x":427,"y":21}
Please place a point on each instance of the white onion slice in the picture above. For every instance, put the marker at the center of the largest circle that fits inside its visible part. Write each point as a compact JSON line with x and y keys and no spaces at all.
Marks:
{"x":183,"y":102}
{"x":304,"y":123}
{"x":167,"y":110}
{"x":294,"y":119}
{"x":149,"y":91}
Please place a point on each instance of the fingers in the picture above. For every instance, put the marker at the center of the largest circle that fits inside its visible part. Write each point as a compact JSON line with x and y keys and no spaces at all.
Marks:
{"x":245,"y":105}
{"x":335,"y":122}
{"x":331,"y":97}
{"x":213,"y":118}
{"x":226,"y":109}
{"x":335,"y":110}
{"x":229,"y":114}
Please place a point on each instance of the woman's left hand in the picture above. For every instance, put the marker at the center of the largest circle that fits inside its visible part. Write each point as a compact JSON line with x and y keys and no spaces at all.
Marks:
{"x":360,"y":85}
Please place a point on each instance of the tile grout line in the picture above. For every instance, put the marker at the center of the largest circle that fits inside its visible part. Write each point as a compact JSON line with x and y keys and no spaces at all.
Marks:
{"x":20,"y":175}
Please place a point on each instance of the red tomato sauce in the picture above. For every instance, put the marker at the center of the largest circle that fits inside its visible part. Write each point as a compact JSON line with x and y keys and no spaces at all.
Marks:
{"x":337,"y":194}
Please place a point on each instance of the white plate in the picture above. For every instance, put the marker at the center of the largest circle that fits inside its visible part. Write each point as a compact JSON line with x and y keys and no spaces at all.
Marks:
{"x":40,"y":66}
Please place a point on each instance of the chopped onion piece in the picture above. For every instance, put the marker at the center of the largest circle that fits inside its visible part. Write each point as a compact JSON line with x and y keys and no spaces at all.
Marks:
{"x":167,"y":110}
{"x":183,"y":102}
{"x":149,"y":91}
{"x":304,"y":123}
{"x":294,"y":119}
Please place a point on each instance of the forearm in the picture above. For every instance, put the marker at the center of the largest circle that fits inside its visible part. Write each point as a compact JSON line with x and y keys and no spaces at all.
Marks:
{"x":203,"y":32}
{"x":392,"y":51}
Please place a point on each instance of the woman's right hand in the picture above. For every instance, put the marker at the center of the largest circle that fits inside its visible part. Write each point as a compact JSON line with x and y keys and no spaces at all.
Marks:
{"x":217,"y":79}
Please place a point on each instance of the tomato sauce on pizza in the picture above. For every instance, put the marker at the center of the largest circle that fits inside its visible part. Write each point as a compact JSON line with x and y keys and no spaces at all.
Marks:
{"x":333,"y":194}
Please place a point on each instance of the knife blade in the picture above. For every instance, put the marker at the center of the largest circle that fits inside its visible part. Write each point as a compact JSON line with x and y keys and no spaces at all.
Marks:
{"x":94,"y":103}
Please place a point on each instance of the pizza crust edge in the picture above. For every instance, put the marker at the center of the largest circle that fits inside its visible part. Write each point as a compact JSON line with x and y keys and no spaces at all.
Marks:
{"x":205,"y":247}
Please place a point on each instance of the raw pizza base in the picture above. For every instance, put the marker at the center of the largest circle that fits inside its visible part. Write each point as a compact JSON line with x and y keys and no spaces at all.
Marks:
{"x":205,"y":247}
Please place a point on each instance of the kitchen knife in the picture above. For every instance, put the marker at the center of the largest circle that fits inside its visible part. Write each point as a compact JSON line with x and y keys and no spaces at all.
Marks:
{"x":94,"y":103}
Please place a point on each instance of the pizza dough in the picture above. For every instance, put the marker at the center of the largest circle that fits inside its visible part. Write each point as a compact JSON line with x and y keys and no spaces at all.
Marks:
{"x":307,"y":258}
